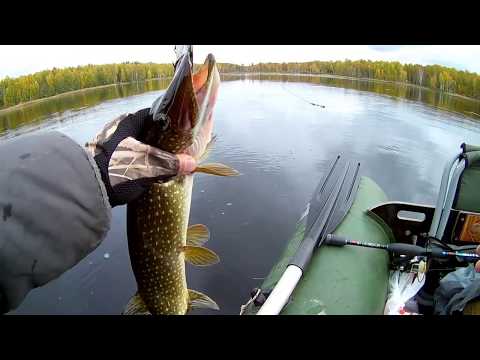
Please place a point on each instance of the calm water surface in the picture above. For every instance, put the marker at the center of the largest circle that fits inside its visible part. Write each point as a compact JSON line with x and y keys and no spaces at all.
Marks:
{"x":268,"y":130}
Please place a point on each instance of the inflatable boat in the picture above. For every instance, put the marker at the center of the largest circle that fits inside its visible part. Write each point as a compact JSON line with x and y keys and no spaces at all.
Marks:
{"x":350,"y":240}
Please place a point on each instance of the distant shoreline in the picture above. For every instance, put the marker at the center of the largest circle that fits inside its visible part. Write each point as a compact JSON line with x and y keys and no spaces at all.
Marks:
{"x":332,"y":76}
{"x":10,"y":108}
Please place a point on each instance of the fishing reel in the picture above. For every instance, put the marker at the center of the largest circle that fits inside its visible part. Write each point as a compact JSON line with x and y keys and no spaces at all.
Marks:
{"x":404,"y":263}
{"x":437,"y":256}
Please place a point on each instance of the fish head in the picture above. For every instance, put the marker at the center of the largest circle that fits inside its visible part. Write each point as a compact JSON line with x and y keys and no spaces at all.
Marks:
{"x":182,"y":117}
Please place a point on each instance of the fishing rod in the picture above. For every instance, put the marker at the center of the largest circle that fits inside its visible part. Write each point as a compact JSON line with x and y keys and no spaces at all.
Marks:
{"x":402,"y":249}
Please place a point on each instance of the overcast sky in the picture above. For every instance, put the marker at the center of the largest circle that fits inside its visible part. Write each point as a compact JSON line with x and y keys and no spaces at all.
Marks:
{"x":16,"y":60}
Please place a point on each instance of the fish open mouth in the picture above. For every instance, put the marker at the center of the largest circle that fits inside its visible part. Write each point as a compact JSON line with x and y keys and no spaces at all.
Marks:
{"x":182,"y":105}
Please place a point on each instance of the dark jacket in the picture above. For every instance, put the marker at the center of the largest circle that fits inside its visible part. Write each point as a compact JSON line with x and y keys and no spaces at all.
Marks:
{"x":54,"y":210}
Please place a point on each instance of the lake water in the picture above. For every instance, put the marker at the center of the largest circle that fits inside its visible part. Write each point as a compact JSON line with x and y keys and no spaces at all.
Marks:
{"x":268,"y":130}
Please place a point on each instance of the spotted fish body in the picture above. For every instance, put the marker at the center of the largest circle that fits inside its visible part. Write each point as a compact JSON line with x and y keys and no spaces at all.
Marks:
{"x":157,"y":259}
{"x":157,"y":223}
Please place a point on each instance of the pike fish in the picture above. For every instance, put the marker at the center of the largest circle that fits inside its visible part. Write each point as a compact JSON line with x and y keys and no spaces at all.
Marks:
{"x":159,"y":238}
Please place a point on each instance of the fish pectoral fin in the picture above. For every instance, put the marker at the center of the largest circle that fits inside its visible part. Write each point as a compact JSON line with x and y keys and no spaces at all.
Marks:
{"x":198,"y":300}
{"x":199,"y":256}
{"x":216,"y":169}
{"x":208,"y":149}
{"x":136,"y":306}
{"x":197,"y":235}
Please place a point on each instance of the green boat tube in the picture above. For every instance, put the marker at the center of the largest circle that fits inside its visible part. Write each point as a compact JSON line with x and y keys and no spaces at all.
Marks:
{"x":339,"y":281}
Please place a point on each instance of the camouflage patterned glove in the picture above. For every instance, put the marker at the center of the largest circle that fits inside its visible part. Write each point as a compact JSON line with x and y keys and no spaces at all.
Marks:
{"x":127,"y":166}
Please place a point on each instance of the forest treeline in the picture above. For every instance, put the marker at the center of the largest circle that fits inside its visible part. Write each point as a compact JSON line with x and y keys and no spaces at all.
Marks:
{"x":56,"y":81}
{"x":432,"y":76}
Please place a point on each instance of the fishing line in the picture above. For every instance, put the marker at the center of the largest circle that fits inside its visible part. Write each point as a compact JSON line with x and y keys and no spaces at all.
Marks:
{"x":303,"y":99}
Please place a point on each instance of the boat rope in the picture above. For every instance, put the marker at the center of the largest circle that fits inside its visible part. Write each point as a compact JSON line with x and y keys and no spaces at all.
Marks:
{"x":303,"y":99}
{"x":252,"y":299}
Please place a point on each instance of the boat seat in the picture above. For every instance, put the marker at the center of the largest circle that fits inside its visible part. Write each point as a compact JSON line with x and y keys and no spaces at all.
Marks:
{"x":459,"y":190}
{"x":468,"y":196}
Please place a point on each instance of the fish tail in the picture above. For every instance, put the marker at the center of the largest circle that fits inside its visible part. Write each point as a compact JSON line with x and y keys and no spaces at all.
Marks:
{"x":201,"y":301}
{"x":136,"y":306}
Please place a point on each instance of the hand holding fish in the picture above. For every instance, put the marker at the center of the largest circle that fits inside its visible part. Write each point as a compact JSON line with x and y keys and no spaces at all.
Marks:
{"x":134,"y":160}
{"x":127,"y":166}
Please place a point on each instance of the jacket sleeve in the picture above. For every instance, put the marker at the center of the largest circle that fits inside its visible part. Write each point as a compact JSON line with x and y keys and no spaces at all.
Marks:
{"x":53,"y":211}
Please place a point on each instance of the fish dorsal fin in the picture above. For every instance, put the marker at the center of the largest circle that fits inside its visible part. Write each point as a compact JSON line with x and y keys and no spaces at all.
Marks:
{"x":208,"y":149}
{"x":136,"y":306}
{"x":216,"y":169}
{"x":197,"y":235}
{"x":198,"y":300}
{"x":199,"y":256}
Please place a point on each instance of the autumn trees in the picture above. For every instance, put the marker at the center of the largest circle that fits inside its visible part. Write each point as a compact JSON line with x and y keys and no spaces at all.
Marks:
{"x":433,"y":76}
{"x":57,"y":81}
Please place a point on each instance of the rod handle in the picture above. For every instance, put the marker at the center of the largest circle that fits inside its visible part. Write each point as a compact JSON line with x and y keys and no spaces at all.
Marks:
{"x":407,"y":249}
{"x":336,"y":240}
